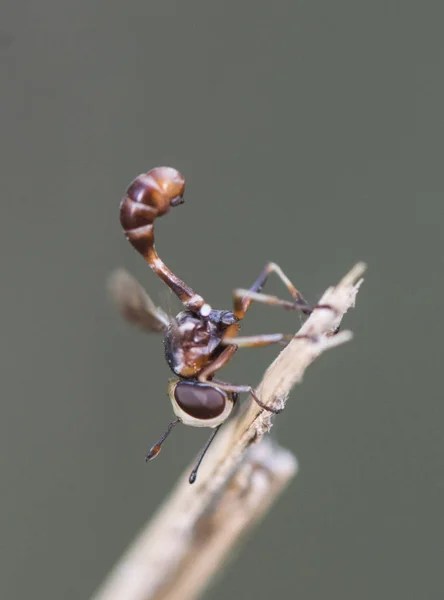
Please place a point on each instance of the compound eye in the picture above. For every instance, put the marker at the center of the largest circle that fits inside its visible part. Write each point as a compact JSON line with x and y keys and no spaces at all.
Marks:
{"x":199,"y":400}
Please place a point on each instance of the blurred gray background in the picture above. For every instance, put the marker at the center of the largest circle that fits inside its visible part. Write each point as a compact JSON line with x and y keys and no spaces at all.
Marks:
{"x":311,"y":134}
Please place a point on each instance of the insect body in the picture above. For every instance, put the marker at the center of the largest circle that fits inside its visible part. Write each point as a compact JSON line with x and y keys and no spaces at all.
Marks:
{"x":200,"y":340}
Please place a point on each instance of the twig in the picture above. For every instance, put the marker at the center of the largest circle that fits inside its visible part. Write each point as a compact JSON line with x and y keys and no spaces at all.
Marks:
{"x":186,"y":542}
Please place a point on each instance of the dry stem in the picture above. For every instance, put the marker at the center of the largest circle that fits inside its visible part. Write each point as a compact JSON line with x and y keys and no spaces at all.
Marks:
{"x":186,"y":542}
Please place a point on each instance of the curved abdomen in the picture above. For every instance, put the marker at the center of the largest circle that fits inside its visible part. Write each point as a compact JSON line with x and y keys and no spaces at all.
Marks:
{"x":149,"y":196}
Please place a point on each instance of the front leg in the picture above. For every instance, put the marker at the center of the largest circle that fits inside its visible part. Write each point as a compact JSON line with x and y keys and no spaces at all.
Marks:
{"x":239,"y":389}
{"x":224,"y":357}
{"x":256,"y":341}
{"x":243,"y":301}
{"x":206,"y":376}
{"x":266,"y":339}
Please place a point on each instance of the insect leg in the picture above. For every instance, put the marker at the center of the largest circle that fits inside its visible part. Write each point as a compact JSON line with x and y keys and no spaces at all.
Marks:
{"x":224,"y":357}
{"x":239,"y":389}
{"x":258,"y":341}
{"x":242,"y":301}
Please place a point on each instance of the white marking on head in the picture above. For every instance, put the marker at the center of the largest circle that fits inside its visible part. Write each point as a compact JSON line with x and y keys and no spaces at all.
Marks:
{"x":205,"y":310}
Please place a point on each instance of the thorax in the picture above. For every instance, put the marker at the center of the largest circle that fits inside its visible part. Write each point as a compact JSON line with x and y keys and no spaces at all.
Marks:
{"x":191,"y":342}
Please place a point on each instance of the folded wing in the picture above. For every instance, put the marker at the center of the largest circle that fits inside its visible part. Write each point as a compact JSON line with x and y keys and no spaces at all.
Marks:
{"x":134,"y":304}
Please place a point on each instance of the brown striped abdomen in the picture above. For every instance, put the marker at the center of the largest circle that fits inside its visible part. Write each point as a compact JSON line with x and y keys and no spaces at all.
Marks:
{"x":149,"y":196}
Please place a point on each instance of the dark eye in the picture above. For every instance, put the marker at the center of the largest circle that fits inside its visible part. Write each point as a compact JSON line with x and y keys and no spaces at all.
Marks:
{"x":199,"y":400}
